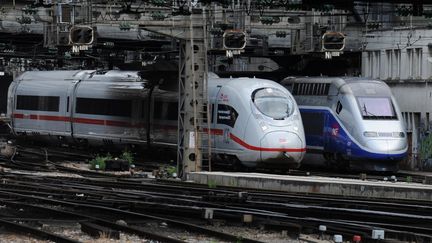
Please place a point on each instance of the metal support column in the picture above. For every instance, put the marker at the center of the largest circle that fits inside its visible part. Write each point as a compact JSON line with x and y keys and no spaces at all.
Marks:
{"x":192,"y":122}
{"x":193,"y":125}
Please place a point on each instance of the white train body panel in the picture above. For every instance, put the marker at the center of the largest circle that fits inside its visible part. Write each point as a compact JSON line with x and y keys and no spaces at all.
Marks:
{"x":253,"y":120}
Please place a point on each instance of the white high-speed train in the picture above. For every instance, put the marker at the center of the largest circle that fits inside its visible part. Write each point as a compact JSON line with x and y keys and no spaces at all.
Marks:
{"x":253,"y":121}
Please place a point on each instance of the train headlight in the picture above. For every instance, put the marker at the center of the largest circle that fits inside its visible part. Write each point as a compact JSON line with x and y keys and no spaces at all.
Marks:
{"x":263,"y":126}
{"x":370,"y":134}
{"x":398,"y":135}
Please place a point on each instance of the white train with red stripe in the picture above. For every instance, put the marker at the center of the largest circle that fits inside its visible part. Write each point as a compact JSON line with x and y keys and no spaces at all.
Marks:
{"x":254,"y":121}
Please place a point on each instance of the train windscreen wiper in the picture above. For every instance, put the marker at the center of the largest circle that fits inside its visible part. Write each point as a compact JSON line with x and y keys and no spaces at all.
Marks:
{"x":367,"y":112}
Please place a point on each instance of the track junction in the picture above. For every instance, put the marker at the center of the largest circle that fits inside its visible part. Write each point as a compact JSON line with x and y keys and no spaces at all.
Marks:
{"x":35,"y":192}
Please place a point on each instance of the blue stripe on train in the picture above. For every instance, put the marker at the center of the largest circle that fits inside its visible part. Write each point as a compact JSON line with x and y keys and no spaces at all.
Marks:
{"x":323,"y":130}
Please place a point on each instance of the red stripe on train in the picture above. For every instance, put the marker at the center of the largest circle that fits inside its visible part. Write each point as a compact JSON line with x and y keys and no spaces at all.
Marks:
{"x":75,"y":120}
{"x":251,"y":147}
{"x":217,"y":132}
{"x":42,"y":117}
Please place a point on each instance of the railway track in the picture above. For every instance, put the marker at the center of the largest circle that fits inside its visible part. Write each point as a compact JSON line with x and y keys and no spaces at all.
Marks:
{"x":97,"y":201}
{"x":43,"y":159}
{"x":185,"y":201}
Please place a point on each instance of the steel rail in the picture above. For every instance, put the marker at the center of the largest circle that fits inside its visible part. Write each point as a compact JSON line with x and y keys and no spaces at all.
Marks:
{"x":124,"y":228}
{"x":20,"y":228}
{"x":85,"y":206}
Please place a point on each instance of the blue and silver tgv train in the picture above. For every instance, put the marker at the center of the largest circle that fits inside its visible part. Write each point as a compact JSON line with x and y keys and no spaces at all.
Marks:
{"x":354,"y":123}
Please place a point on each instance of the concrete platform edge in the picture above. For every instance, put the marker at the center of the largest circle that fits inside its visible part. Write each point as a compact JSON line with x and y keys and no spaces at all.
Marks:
{"x":313,"y":187}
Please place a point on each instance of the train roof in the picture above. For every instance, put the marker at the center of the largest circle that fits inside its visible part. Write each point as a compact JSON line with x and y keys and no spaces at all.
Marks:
{"x":357,"y":85}
{"x":337,"y":81}
{"x":133,"y":79}
{"x":241,"y":81}
{"x":87,"y":75}
{"x":84,"y":75}
{"x":244,"y":85}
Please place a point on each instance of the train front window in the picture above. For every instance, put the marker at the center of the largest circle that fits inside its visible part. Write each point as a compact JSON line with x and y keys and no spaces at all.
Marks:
{"x":273,"y":103}
{"x":378,"y":108}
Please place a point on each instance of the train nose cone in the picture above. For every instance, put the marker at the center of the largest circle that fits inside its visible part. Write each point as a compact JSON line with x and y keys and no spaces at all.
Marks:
{"x":377,"y":145}
{"x":387,"y":146}
{"x":282,"y":148}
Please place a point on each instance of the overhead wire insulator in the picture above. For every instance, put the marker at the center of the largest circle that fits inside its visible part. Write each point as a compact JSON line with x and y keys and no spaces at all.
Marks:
{"x":125,"y":26}
{"x":67,"y":56}
{"x":404,"y":11}
{"x":265,"y":3}
{"x":281,"y":34}
{"x":270,"y":20}
{"x":52,"y":50}
{"x":29,"y":10}
{"x":293,"y":6}
{"x":158,"y":16}
{"x":24,"y":20}
{"x":160,"y":3}
{"x":326,"y":7}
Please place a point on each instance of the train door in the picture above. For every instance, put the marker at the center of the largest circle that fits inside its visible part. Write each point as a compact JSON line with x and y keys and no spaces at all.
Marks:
{"x":213,"y":125}
{"x":70,"y":100}
{"x":217,"y":131}
{"x":224,"y":120}
{"x":68,"y":103}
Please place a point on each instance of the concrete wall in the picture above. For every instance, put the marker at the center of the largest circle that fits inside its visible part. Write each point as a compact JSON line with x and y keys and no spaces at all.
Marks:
{"x":398,"y":54}
{"x":403,"y":58}
{"x":415,"y":101}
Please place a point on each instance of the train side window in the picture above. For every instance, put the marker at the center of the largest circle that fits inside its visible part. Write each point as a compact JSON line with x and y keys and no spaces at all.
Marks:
{"x":144,"y":108}
{"x":108,"y":107}
{"x":211,"y":114}
{"x":172,"y":111}
{"x":338,"y":107}
{"x":226,"y":115}
{"x":38,"y":103}
{"x":157,"y":110}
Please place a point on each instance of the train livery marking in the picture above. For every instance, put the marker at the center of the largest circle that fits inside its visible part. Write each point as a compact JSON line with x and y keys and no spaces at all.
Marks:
{"x":251,"y":147}
{"x":217,"y":132}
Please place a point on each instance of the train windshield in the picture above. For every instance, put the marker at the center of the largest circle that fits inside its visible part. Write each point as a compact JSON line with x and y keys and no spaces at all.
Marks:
{"x":379,"y":108}
{"x":273,"y":103}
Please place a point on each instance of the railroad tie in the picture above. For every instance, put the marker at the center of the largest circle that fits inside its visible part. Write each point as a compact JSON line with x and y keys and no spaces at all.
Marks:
{"x":97,"y":231}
